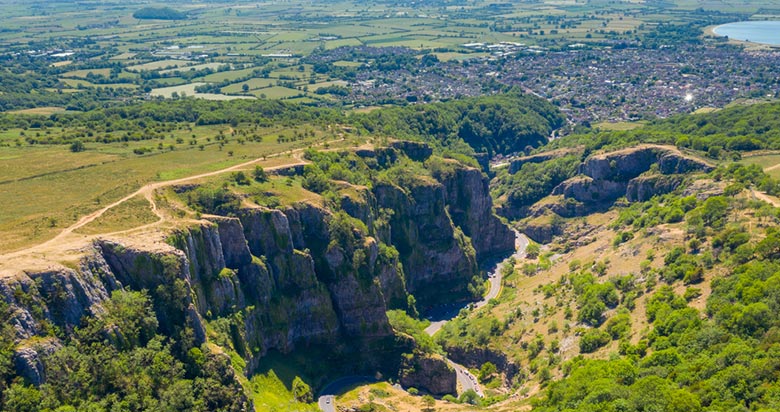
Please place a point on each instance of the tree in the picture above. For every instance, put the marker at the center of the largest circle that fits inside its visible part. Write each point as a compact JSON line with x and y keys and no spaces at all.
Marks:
{"x":259,"y":174}
{"x":619,"y":326}
{"x":593,"y":339}
{"x":487,"y":371}
{"x":592,"y":312}
{"x":769,"y":247}
{"x":533,"y":250}
{"x":130,"y":316}
{"x":429,"y":402}
{"x":77,"y":146}
{"x":21,"y":398}
{"x":470,"y":397}
{"x":241,"y":179}
{"x":302,"y":391}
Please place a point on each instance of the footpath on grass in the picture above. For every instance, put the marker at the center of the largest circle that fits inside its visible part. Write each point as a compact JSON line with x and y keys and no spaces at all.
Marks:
{"x":67,"y":242}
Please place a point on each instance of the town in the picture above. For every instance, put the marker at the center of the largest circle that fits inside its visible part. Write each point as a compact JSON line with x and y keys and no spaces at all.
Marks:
{"x":590,"y":86}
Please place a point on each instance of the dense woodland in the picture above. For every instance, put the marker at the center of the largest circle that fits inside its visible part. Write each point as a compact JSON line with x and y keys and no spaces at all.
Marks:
{"x":500,"y":124}
{"x":718,"y":134}
{"x":121,"y":362}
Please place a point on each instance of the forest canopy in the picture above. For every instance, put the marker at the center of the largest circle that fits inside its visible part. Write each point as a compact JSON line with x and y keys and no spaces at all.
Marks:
{"x":498,"y":124}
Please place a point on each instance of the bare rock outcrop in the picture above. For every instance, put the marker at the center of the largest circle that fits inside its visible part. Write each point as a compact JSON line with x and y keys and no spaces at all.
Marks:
{"x":471,"y":209}
{"x":28,"y":359}
{"x":643,"y":188}
{"x":516,"y":164}
{"x":589,"y":190}
{"x":430,"y":373}
{"x":608,"y":176}
{"x":475,"y":357}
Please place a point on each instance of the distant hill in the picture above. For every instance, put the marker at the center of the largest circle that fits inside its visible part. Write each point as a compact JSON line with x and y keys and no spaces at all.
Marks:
{"x":496,"y":124}
{"x":159,"y":13}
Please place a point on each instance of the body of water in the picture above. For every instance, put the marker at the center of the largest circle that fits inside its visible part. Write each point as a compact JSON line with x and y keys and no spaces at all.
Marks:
{"x":765,"y":32}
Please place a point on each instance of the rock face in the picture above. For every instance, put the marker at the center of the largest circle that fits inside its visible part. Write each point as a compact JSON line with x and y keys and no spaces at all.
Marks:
{"x":28,"y":362}
{"x":587,"y":189}
{"x":471,"y":209}
{"x":56,"y":295}
{"x":441,"y":228}
{"x":643,"y":188}
{"x":416,"y":151}
{"x":638,"y":173}
{"x":517,"y":164}
{"x":608,"y":176}
{"x":430,"y":373}
{"x":474,"y":357}
{"x":541,"y":231}
{"x":434,"y":257}
{"x":281,"y":279}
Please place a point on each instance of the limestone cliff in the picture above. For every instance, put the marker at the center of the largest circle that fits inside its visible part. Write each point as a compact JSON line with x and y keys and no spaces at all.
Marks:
{"x":638,"y":173}
{"x":516,"y":164}
{"x":428,"y":372}
{"x":471,"y":209}
{"x":216,"y":269}
{"x":302,"y":275}
{"x":434,"y":253}
{"x":441,"y":227}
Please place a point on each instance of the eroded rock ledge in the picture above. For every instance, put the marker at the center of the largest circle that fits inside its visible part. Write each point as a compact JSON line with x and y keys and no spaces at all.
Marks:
{"x":608,"y":176}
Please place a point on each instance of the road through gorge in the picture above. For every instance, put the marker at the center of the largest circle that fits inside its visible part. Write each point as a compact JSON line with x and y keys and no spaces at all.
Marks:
{"x":438,"y":317}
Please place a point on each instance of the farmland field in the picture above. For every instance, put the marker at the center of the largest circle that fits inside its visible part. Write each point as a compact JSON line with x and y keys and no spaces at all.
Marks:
{"x":149,"y":55}
{"x":158,"y":65}
{"x":253,"y":84}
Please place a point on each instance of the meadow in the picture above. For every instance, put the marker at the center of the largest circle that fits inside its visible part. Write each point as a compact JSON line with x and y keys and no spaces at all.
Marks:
{"x":45,"y":188}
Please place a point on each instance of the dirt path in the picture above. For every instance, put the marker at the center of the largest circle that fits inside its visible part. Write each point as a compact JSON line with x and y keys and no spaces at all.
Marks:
{"x":148,"y":192}
{"x":770,"y":168}
{"x":67,"y":240}
{"x":766,"y":198}
{"x":763,"y":196}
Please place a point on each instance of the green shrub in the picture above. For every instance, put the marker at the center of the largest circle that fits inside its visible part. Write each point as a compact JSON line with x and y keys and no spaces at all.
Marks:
{"x":593,"y":339}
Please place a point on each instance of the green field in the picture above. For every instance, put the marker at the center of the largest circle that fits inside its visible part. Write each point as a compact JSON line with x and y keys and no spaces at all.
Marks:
{"x":213,"y":66}
{"x":155,"y":53}
{"x":770,"y":163}
{"x":82,"y":74}
{"x":47,"y":187}
{"x":84,"y":83}
{"x":253,"y":84}
{"x":158,"y":65}
{"x":276,"y":92}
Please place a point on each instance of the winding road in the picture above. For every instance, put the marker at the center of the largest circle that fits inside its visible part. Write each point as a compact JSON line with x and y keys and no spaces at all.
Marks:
{"x":328,"y":394}
{"x":438,"y":317}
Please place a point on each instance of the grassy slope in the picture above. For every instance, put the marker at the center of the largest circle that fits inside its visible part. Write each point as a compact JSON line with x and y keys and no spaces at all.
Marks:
{"x":47,"y":188}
